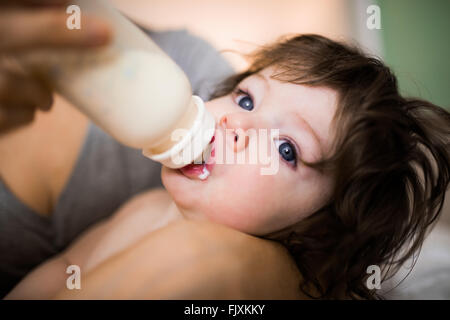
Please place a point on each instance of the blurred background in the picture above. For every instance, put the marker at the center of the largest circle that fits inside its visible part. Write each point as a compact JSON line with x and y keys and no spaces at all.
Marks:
{"x":413,"y":40}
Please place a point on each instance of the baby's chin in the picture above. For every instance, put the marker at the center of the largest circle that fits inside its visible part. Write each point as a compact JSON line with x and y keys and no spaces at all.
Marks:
{"x":184,"y":192}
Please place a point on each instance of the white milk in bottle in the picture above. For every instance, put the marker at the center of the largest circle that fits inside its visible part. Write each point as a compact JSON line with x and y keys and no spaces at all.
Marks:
{"x":132,"y":90}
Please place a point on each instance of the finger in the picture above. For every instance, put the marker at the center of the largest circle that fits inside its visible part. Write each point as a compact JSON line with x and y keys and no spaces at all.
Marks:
{"x":28,"y":94}
{"x":28,"y":29}
{"x":46,"y":103}
{"x":20,"y":89}
{"x":33,"y":3}
{"x":12,"y":118}
{"x":41,"y":3}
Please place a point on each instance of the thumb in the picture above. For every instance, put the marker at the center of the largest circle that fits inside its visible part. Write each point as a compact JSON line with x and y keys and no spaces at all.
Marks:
{"x":29,"y":29}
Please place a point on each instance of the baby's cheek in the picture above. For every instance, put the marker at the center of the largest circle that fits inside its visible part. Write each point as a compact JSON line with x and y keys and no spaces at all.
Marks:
{"x":250,"y":205}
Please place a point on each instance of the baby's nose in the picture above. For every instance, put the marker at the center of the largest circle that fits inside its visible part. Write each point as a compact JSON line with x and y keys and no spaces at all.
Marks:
{"x":239,"y":136}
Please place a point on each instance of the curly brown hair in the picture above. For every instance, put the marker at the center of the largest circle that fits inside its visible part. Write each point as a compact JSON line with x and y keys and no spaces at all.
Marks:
{"x":391,"y":167}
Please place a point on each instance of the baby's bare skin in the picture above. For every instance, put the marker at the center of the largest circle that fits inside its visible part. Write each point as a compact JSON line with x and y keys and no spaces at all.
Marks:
{"x":137,"y":218}
{"x":194,"y":260}
{"x":148,"y":245}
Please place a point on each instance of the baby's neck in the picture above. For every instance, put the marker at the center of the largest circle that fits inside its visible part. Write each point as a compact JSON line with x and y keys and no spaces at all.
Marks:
{"x":173,"y":213}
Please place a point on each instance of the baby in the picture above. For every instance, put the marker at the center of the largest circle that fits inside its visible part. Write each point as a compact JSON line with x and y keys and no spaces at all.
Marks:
{"x":361,"y":179}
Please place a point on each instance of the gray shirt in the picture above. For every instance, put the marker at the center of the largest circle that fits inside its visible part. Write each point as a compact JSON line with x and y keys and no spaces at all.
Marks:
{"x":106,"y":174}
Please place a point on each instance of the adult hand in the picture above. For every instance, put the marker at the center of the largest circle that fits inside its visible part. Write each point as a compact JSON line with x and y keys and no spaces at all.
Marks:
{"x":26,"y":25}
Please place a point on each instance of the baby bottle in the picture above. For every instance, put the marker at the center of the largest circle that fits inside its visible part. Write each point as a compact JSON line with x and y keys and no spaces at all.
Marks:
{"x":132,"y":90}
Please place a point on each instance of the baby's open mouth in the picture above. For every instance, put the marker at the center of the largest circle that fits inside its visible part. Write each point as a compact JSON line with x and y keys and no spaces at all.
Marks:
{"x":202,"y":170}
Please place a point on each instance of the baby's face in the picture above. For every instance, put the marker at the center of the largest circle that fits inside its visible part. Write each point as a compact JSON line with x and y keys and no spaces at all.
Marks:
{"x":238,"y":194}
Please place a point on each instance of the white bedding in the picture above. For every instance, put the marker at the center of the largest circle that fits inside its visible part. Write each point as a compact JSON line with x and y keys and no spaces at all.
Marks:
{"x":430,"y":277}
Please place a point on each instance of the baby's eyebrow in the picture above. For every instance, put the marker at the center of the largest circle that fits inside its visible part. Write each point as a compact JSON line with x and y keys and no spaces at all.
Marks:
{"x":259,"y":75}
{"x":266,"y":82}
{"x":302,"y":123}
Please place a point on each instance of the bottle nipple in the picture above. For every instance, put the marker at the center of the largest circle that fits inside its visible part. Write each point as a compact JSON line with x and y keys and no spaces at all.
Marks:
{"x":193,"y":145}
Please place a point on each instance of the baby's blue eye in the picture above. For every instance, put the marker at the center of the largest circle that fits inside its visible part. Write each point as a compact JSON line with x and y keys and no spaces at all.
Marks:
{"x":244,"y":100}
{"x":287,"y":152}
